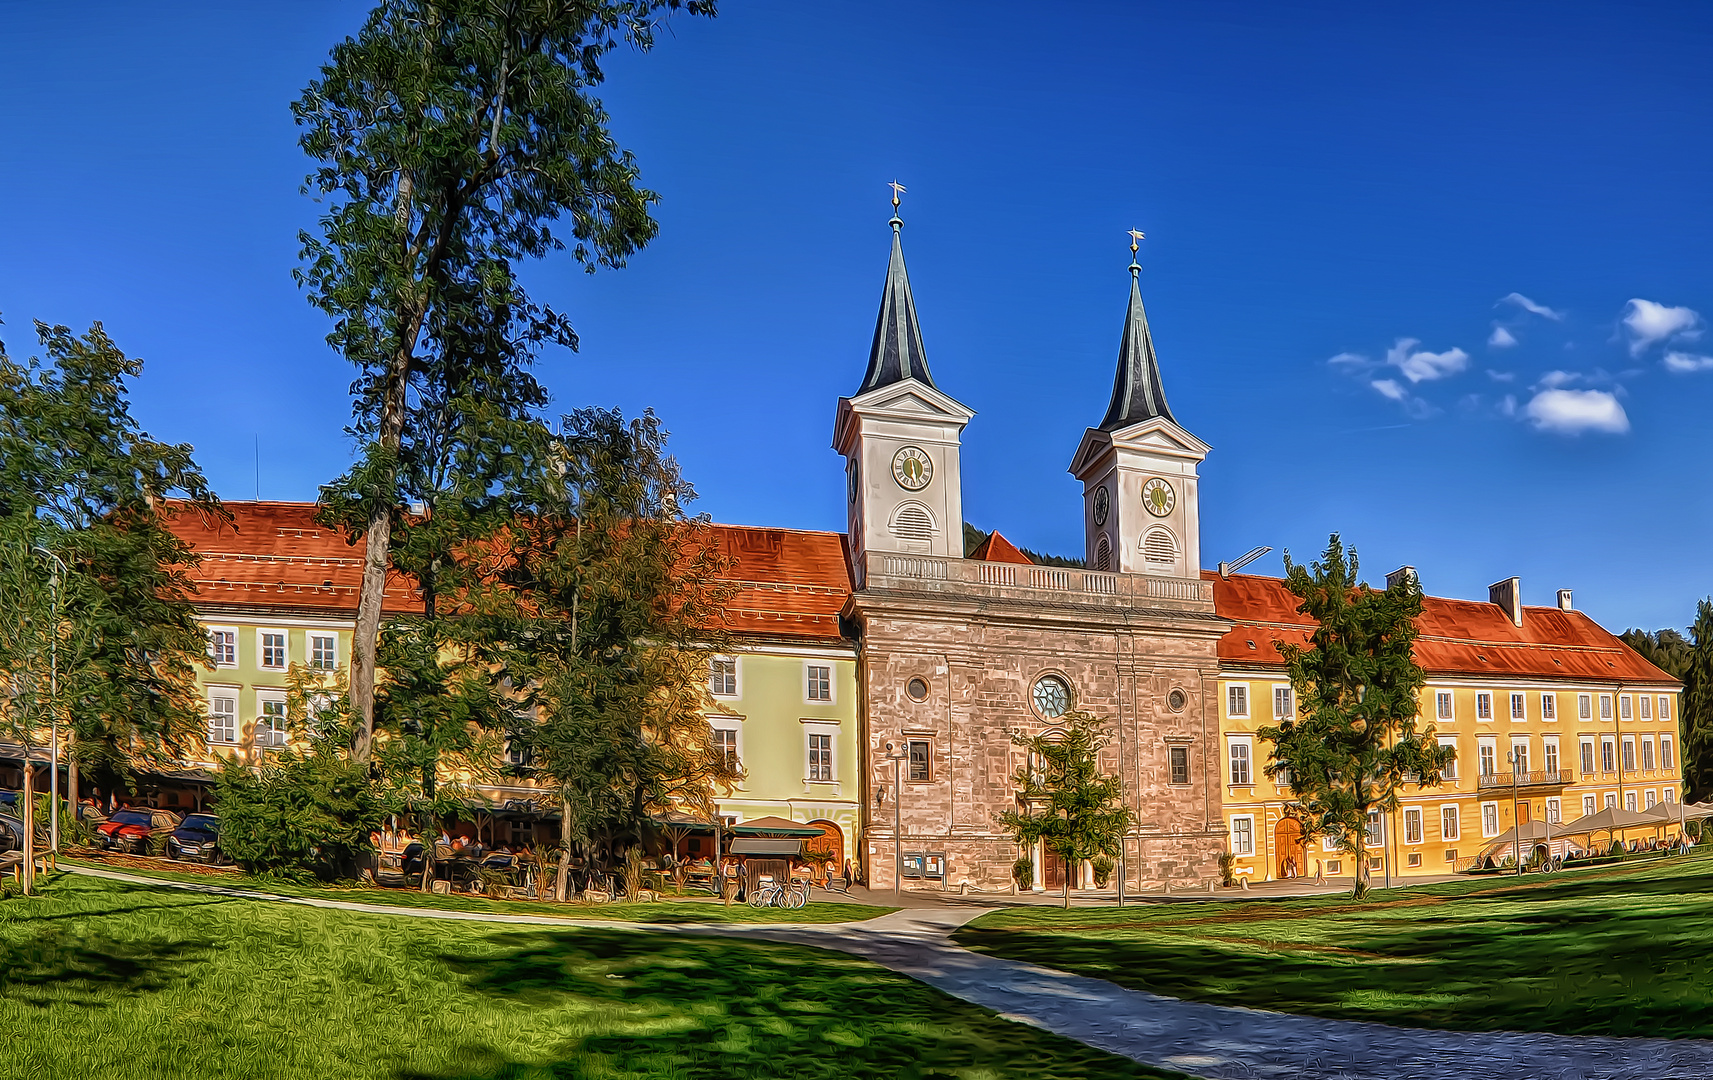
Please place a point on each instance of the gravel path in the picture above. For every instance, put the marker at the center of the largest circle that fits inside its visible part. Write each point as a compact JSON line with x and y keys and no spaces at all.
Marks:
{"x":1213,"y":1041}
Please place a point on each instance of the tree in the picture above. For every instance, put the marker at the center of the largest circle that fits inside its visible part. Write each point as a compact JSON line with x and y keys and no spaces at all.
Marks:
{"x":1068,"y":804}
{"x":1353,"y":743}
{"x":1665,"y":649}
{"x":609,"y":603}
{"x":453,"y":138}
{"x":1695,"y":718}
{"x":80,"y":478}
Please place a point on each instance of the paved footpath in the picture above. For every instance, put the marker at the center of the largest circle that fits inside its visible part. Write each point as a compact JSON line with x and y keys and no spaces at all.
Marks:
{"x":1214,"y":1041}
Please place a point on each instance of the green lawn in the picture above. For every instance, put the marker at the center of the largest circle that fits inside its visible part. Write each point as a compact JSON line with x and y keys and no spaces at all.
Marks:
{"x":101,"y":979}
{"x":1610,"y":951}
{"x":689,"y":910}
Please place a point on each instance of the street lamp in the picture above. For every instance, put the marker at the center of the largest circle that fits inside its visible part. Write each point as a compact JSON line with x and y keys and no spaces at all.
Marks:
{"x":896,"y":753}
{"x":1516,"y":826}
{"x":53,"y":705}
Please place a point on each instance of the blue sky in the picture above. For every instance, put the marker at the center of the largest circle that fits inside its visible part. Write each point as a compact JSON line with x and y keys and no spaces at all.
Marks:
{"x":1345,"y":206}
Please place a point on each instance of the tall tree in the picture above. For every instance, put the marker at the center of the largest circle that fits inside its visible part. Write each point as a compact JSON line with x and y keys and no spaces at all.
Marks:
{"x":1695,"y":717}
{"x":84,"y":481}
{"x":457,"y":138}
{"x":1069,"y":805}
{"x":613,"y":601}
{"x":1665,"y":649}
{"x":1353,"y":744}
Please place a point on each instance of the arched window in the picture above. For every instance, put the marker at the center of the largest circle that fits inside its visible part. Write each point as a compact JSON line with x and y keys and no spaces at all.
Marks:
{"x":1103,"y":553}
{"x":913,"y":522}
{"x":1159,"y":548}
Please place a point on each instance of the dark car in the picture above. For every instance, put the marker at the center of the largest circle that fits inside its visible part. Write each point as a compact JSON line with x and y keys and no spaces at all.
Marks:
{"x":130,"y":829}
{"x":12,"y":834}
{"x":197,"y":837}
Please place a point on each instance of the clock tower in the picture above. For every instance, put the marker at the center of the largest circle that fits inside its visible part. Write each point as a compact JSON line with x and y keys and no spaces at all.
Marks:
{"x":900,"y":438}
{"x":1141,"y":507}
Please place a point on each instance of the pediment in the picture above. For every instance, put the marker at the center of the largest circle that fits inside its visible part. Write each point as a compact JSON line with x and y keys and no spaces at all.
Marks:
{"x":910,"y":397}
{"x":1160,"y":435}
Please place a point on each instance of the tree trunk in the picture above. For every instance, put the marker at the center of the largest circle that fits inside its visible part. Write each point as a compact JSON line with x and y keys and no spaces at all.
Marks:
{"x":71,"y":778}
{"x":377,"y":557}
{"x":564,"y":876}
{"x":1360,"y":888}
{"x":1070,"y":865}
{"x":29,"y":816}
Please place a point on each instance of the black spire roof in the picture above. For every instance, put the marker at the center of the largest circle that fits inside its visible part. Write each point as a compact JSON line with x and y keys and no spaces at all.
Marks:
{"x":897,"y":351}
{"x":1137,"y":392}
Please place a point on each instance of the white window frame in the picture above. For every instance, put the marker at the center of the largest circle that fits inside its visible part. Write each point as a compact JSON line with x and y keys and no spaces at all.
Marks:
{"x":733,"y":724}
{"x":1668,"y":796}
{"x":1519,"y":702}
{"x":1247,"y":743}
{"x":310,"y":640}
{"x":1549,"y":707}
{"x":1456,"y":813}
{"x":1375,"y":834}
{"x":737,"y":677}
{"x":1519,"y":751}
{"x":1630,"y":801}
{"x":1585,"y":706}
{"x":1489,"y":820}
{"x":1586,"y":756}
{"x":1450,"y":771}
{"x":1484,"y":705}
{"x":1664,"y":709}
{"x":1608,"y":754}
{"x":1290,"y":701}
{"x":1627,"y":754}
{"x":1644,"y":706}
{"x":262,"y":634}
{"x":1551,"y":761}
{"x":1487,"y":756}
{"x":1650,"y":798}
{"x":809,"y":687}
{"x":1247,"y":849}
{"x":1611,"y":800}
{"x":1605,"y":706}
{"x":1236,"y":693}
{"x":831,"y":733}
{"x":228,"y":693}
{"x":277,"y":736}
{"x":1444,"y":705}
{"x":1554,"y":811}
{"x":1589,"y":805}
{"x":1413,"y":835}
{"x":1667,"y":758}
{"x":214,"y":658}
{"x":1645,"y":746}
{"x":1626,"y":707}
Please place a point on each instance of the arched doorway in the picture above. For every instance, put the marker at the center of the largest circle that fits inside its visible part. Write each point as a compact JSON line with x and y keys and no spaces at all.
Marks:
{"x":831,"y":842}
{"x":1288,"y":848}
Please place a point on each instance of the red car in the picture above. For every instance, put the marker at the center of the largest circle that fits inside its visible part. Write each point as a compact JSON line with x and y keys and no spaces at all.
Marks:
{"x":130,"y":829}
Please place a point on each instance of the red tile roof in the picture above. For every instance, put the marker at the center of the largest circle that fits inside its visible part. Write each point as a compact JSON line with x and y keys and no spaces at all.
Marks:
{"x":997,"y":548}
{"x":793,"y":583}
{"x":1457,"y":637}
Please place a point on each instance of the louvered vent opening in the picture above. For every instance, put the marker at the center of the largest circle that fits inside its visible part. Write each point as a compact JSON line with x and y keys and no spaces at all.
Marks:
{"x":1103,"y":554}
{"x":914,"y":523}
{"x":1159,"y":547}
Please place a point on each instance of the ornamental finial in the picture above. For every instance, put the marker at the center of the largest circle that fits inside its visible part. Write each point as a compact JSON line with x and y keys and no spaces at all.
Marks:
{"x":897,"y":190}
{"x":1135,"y":242}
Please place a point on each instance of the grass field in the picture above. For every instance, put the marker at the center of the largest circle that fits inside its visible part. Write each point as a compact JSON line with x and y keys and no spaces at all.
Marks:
{"x":694,"y":910}
{"x":1619,"y":951}
{"x":101,"y":979}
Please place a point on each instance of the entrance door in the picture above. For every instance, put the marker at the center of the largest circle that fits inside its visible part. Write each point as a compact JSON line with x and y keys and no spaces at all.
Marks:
{"x":1052,"y":870}
{"x":1523,"y":817}
{"x":1288,"y":847}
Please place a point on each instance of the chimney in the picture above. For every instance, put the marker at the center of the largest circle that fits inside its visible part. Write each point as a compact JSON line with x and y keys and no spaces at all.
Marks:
{"x":1564,"y":600}
{"x":1508,"y":594}
{"x":1401,"y":575}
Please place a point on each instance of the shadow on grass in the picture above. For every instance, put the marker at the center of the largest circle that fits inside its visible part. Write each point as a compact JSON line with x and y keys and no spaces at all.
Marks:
{"x":715,"y":1009}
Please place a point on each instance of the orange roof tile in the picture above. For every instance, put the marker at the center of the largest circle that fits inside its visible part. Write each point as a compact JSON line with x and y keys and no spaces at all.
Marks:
{"x":997,"y":548}
{"x":1457,"y":637}
{"x":793,"y":583}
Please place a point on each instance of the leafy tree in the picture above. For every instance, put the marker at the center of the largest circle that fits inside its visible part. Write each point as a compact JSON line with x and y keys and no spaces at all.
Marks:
{"x":1666,"y":649}
{"x":609,"y":603}
{"x":1695,"y":718}
{"x":1353,"y":744}
{"x":456,"y":138}
{"x":81,"y":479}
{"x":302,"y":813}
{"x":1069,"y":805}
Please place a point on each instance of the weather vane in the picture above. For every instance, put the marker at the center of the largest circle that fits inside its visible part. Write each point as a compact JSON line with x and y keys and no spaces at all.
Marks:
{"x":897,"y":190}
{"x":1135,"y":241}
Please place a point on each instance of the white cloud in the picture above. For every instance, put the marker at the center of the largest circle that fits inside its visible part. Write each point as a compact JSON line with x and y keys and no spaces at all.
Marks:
{"x":1501,"y":338}
{"x":1571,"y":412}
{"x":1552,"y":380}
{"x":1530,"y":306}
{"x":1352,"y":361}
{"x":1649,"y":322}
{"x":1684,"y":363}
{"x":1508,"y":406}
{"x":1501,"y":376}
{"x":1419,"y":365}
{"x":1390,"y":388}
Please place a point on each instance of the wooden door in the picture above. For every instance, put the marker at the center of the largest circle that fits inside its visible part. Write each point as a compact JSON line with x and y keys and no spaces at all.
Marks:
{"x":1288,"y":848}
{"x":1052,"y":870}
{"x":1523,"y":817}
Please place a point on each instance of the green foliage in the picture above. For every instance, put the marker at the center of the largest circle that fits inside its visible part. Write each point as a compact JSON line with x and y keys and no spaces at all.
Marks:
{"x":298,"y":814}
{"x":1069,"y":805}
{"x":1102,"y":867}
{"x":1695,"y":717}
{"x":973,"y":538}
{"x":1666,"y":649}
{"x":1227,"y":868}
{"x":1353,"y":744}
{"x":1023,"y":872}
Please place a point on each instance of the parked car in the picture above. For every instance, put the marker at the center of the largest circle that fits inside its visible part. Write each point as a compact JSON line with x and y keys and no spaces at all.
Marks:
{"x":12,"y":834}
{"x":197,"y":837}
{"x":131,"y":828}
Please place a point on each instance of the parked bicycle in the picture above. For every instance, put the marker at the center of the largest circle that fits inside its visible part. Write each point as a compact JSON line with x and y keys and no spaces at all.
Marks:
{"x":769,"y":893}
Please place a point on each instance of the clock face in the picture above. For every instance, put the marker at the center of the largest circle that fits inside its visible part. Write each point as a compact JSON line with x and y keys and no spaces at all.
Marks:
{"x":912,"y":469}
{"x":851,"y":480}
{"x":1102,"y":504}
{"x":1158,"y":497}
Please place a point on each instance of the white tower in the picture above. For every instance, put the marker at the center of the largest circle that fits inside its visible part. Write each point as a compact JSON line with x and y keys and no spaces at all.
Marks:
{"x":1141,"y":508}
{"x":900,"y":436}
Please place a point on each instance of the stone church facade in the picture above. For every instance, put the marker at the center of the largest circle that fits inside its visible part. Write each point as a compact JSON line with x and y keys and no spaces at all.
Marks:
{"x":956,"y":655}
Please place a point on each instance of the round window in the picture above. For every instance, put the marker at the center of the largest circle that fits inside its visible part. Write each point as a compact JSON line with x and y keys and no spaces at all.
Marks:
{"x":1176,"y":700}
{"x":917,"y":689}
{"x":1052,"y":697}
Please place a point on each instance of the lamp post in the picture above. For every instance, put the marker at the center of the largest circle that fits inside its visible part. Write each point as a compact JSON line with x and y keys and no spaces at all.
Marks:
{"x":1516,"y":826}
{"x":53,"y":706}
{"x":896,"y":753}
